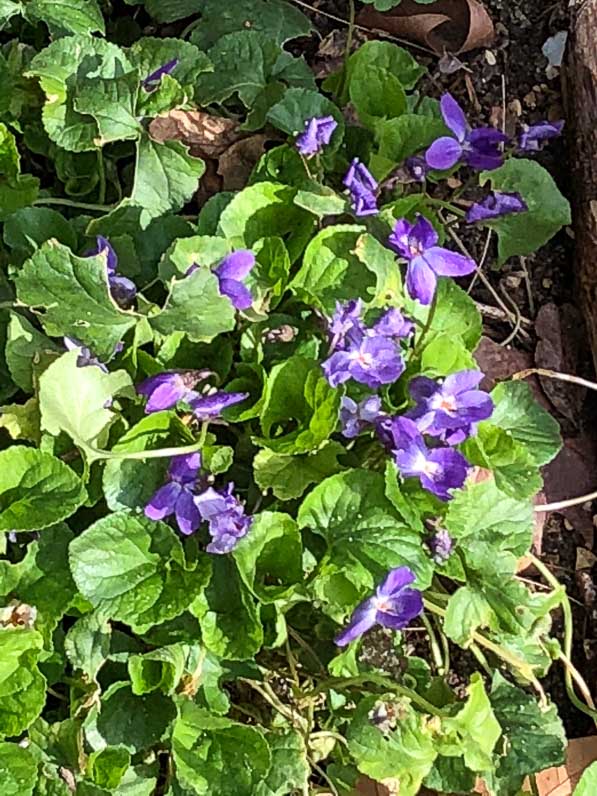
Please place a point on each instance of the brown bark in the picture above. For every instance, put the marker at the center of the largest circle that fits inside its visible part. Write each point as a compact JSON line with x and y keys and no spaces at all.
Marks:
{"x":582,"y":82}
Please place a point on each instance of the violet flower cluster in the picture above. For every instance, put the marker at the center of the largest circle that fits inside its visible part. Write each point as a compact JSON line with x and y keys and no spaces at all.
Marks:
{"x":179,"y":496}
{"x":394,"y":605}
{"x":165,"y":390}
{"x":367,"y":355}
{"x":122,"y":289}
{"x":447,"y":411}
{"x":417,"y":244}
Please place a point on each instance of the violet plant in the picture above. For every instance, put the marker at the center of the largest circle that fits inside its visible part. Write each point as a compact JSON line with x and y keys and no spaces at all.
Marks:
{"x":263,"y":506}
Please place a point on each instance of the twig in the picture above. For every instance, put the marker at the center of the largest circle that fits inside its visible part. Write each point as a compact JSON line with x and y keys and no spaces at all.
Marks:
{"x":528,"y":286}
{"x":481,"y":261}
{"x":496,"y":314}
{"x":517,"y":326}
{"x":554,"y":374}
{"x":382,"y":33}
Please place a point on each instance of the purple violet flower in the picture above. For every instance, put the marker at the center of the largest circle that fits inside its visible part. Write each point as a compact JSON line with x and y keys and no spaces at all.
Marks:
{"x":177,"y":496}
{"x":209,"y":407}
{"x":495,"y":205}
{"x":441,"y":546}
{"x":452,"y":405}
{"x":478,"y":148}
{"x":226,"y":517}
{"x":122,"y":290}
{"x":439,"y":469}
{"x":426,"y":261}
{"x":393,"y":605}
{"x":534,"y":136}
{"x":85,"y":358}
{"x":165,"y":390}
{"x":362,"y":187}
{"x":152,"y":81}
{"x":355,"y":417}
{"x":230,"y":272}
{"x":393,"y":324}
{"x":417,"y":167}
{"x":345,"y":323}
{"x":370,"y":359}
{"x":317,"y":134}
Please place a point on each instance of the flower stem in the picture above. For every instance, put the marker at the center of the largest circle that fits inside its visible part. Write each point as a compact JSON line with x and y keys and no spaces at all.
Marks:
{"x":384,"y":682}
{"x":102,"y":177}
{"x":160,"y":453}
{"x":524,"y":668}
{"x":71,"y":203}
{"x":570,"y":671}
{"x":427,"y":327}
{"x":447,"y":206}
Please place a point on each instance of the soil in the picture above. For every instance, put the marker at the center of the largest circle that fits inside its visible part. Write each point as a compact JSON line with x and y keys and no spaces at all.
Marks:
{"x":511,"y":75}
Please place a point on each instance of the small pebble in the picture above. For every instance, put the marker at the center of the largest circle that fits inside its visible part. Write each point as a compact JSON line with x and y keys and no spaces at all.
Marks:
{"x":490,"y":58}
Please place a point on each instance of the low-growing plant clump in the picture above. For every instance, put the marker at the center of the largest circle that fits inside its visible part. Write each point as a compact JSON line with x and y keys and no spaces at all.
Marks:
{"x":251,"y":444}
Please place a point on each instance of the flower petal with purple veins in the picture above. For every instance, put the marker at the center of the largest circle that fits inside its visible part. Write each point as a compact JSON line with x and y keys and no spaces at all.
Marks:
{"x":443,"y":153}
{"x":337,"y":368}
{"x":362,"y":620}
{"x":163,"y":502}
{"x":376,"y":361}
{"x":452,"y":473}
{"x":164,"y":391}
{"x":421,"y":281}
{"x":362,"y":186}
{"x":454,"y":116}
{"x":399,"y":238}
{"x":345,"y":320}
{"x":422,"y":235}
{"x":357,"y":417}
{"x":401,"y":610}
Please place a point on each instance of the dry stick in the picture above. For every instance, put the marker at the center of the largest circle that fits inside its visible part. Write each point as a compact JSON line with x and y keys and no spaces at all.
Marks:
{"x":528,"y":286}
{"x":481,"y":261}
{"x":516,"y":329}
{"x":553,"y":374}
{"x":383,"y":33}
{"x":496,"y":314}
{"x":509,"y":314}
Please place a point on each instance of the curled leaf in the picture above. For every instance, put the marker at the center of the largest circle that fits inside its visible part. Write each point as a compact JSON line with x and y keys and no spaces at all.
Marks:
{"x":455,"y":26}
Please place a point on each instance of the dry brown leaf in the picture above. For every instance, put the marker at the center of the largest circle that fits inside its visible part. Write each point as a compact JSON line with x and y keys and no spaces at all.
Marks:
{"x":454,"y":26}
{"x":206,"y":135}
{"x":238,"y":161}
{"x":572,"y":473}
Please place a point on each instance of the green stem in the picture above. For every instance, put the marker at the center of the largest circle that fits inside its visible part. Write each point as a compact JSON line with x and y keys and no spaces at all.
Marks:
{"x":384,"y":682}
{"x":102,"y":177}
{"x":71,"y":203}
{"x":570,"y":671}
{"x":427,"y":327}
{"x":447,"y":205}
{"x":349,"y":36}
{"x":160,"y":453}
{"x":434,"y":644}
{"x":525,"y":669}
{"x":534,"y":786}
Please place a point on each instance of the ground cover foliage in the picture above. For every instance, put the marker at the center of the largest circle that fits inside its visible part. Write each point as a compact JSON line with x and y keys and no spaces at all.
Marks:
{"x":235,"y":442}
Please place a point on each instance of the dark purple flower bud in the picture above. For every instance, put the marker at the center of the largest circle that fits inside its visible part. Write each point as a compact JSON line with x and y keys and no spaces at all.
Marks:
{"x":210,"y":407}
{"x":226,"y":517}
{"x":230,"y":272}
{"x":439,"y":470}
{"x":346,"y":323}
{"x":122,"y":290}
{"x":452,"y":405}
{"x":426,"y":261}
{"x":356,"y":417}
{"x":394,"y":605}
{"x":85,"y":358}
{"x":393,"y":324}
{"x":479,"y":148}
{"x":441,"y":546}
{"x":177,"y":496}
{"x":372,"y":360}
{"x":534,"y":136}
{"x":417,"y":167}
{"x":317,"y":134}
{"x":362,"y":187}
{"x":496,"y":205}
{"x":165,"y":390}
{"x":152,"y":81}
